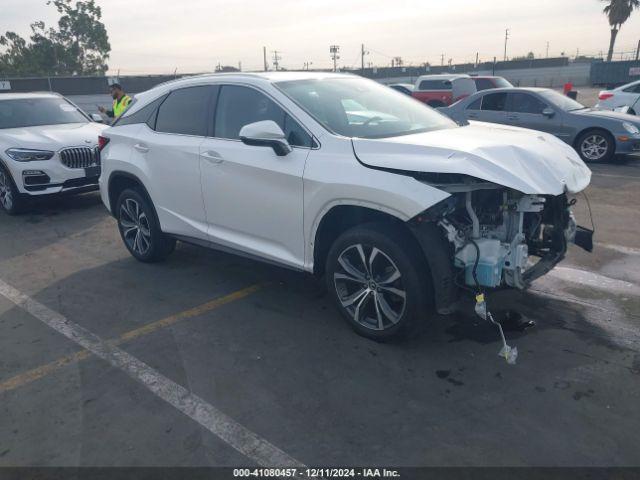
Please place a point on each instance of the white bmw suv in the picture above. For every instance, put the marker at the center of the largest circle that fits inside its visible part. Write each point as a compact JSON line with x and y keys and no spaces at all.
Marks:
{"x":397,"y":206}
{"x":47,"y":146}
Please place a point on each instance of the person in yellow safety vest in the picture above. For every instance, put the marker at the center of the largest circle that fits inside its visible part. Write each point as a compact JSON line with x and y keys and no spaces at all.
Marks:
{"x":120,"y":101}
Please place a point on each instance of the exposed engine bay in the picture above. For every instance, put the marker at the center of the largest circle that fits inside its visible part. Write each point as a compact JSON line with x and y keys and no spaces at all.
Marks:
{"x":499,"y":237}
{"x":503,"y":238}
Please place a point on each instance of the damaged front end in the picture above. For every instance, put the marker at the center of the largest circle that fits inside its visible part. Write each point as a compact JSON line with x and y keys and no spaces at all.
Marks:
{"x":496,"y":237}
{"x":499,"y":237}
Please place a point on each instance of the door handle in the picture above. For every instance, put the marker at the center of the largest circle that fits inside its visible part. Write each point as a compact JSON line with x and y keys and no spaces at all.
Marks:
{"x":212,"y":157}
{"x":141,"y":148}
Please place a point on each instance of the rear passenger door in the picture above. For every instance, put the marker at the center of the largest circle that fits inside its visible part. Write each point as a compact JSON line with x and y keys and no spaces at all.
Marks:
{"x":253,"y":197}
{"x":492,"y":108}
{"x":169,"y":152}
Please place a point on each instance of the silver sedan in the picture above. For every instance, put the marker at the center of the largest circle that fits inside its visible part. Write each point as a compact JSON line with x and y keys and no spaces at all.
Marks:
{"x":596,"y":135}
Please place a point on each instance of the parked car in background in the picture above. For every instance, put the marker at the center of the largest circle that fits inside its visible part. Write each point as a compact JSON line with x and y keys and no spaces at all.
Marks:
{"x":406,"y":88}
{"x":47,"y":146}
{"x":596,"y":135}
{"x":633,"y":109}
{"x":619,"y":97}
{"x":289,"y":168}
{"x":440,"y":90}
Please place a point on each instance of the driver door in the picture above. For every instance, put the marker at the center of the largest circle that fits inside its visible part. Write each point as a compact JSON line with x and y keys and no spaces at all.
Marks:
{"x":253,"y":198}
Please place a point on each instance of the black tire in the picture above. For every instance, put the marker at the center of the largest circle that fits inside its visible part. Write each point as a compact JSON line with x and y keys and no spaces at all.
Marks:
{"x":11,"y":200}
{"x":598,"y":138}
{"x":435,"y":104}
{"x":140,"y":229}
{"x":395,"y":250}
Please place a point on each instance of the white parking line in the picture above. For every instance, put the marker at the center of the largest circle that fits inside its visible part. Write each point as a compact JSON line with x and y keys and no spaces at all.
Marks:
{"x":595,"y":280}
{"x":224,"y":427}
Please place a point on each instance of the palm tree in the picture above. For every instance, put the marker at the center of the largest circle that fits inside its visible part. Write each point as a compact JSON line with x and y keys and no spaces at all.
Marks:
{"x":618,"y":12}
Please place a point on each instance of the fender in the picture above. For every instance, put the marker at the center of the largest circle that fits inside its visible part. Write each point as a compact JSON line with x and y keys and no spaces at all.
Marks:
{"x":404,"y":198}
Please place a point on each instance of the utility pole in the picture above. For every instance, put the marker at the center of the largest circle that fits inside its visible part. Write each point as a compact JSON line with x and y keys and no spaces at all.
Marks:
{"x":334,"y":50}
{"x":276,"y":60}
{"x":240,"y":66}
{"x":477,"y":55}
{"x":264,"y":58}
{"x":306,"y":65}
{"x":506,"y":39}
{"x":363,"y":52}
{"x":547,"y":49}
{"x":638,"y":51}
{"x":442,"y":60}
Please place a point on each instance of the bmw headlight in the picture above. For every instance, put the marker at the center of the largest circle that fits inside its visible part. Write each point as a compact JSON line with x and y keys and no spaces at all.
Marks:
{"x":631,"y":128}
{"x":29,"y":154}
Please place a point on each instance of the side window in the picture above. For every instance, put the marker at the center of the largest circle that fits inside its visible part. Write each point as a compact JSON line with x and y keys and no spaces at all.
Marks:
{"x":435,"y":85}
{"x":526,"y":103}
{"x":146,"y":114}
{"x":475,"y":105}
{"x":239,"y":106}
{"x":483,"y":84}
{"x":185,"y":111}
{"x":494,"y":102}
{"x":633,"y":88}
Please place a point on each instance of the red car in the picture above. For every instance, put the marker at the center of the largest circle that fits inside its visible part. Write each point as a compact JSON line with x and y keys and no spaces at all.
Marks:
{"x":438,"y":90}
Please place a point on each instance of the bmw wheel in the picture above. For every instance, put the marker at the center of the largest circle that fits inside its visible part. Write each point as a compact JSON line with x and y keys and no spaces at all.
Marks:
{"x":596,"y":146}
{"x":10,"y":199}
{"x":376,"y":277}
{"x":140,"y":229}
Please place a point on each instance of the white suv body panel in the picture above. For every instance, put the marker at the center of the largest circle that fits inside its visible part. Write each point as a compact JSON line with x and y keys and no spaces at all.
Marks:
{"x":274,"y":205}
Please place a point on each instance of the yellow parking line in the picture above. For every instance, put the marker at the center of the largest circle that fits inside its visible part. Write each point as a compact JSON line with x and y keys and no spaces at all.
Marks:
{"x":44,"y":370}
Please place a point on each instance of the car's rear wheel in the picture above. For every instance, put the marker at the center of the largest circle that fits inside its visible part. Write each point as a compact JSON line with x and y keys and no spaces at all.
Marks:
{"x":11,"y":200}
{"x":140,"y":229}
{"x":374,"y":274}
{"x":596,"y":146}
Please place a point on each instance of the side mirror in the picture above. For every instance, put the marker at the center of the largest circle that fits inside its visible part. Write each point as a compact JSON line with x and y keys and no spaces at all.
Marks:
{"x":96,"y":117}
{"x":548,"y":112}
{"x":266,"y":133}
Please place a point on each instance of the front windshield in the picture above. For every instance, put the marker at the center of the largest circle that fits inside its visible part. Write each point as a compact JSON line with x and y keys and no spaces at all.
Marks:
{"x":561,"y":101}
{"x":29,"y":112}
{"x":357,"y":107}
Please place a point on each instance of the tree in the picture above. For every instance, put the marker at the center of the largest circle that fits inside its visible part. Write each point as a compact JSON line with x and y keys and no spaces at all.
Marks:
{"x":78,"y":46}
{"x":618,"y":12}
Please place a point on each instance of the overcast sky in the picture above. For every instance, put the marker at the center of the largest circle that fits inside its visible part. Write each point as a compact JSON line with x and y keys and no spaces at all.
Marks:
{"x":158,"y":36}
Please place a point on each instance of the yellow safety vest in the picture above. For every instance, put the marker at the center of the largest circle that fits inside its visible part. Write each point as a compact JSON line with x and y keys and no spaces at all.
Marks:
{"x":121,"y":105}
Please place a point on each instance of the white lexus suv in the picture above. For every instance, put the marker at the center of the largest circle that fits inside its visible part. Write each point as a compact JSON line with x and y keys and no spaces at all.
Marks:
{"x":47,"y":146}
{"x":397,"y":206}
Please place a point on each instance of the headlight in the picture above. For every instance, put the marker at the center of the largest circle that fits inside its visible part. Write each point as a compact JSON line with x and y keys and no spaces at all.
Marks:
{"x":629,"y":127}
{"x":28,"y":154}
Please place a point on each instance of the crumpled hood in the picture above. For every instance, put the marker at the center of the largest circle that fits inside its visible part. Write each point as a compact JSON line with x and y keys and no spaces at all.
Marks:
{"x":52,"y":137}
{"x":525,"y":160}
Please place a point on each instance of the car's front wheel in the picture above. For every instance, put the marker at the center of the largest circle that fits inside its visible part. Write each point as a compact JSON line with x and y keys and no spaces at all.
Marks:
{"x":140,"y":229}
{"x":10,"y":199}
{"x":596,"y":146}
{"x":375,"y":275}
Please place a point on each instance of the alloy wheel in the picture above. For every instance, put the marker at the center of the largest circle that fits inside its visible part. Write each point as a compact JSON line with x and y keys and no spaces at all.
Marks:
{"x":135,"y":226}
{"x":6,"y":195}
{"x":369,"y":287}
{"x":594,"y":147}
